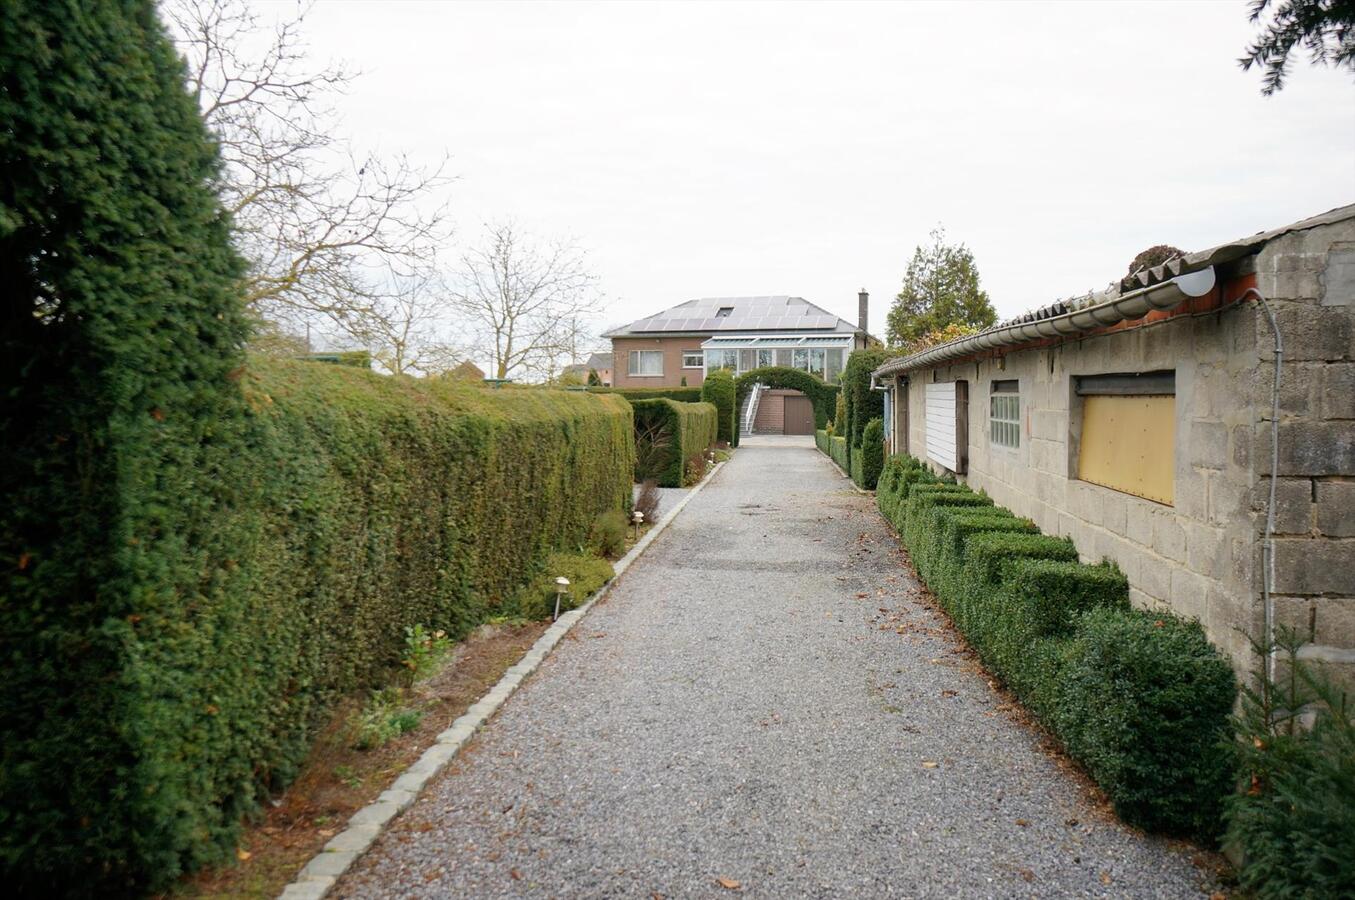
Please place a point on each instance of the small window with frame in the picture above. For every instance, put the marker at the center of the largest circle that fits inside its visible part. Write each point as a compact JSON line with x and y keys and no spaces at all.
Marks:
{"x":1004,"y":414}
{"x":693,"y":359}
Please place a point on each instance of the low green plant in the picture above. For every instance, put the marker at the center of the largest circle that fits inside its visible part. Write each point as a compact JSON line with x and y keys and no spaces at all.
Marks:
{"x":383,"y":719}
{"x":424,"y":649}
{"x":1293,"y":819}
{"x":586,"y":574}
{"x":608,"y":537}
{"x":349,"y":777}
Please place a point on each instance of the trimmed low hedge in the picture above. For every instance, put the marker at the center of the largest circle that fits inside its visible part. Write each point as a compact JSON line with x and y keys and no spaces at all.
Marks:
{"x":837,"y":451}
{"x":1143,"y":703}
{"x":681,"y":394}
{"x":718,"y":389}
{"x":1141,"y":700}
{"x":668,"y":434}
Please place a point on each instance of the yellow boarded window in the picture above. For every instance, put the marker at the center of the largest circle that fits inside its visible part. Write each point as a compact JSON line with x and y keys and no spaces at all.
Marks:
{"x":1129,"y":439}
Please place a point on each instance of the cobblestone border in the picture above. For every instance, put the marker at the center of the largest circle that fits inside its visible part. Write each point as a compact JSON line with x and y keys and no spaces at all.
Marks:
{"x":325,"y":868}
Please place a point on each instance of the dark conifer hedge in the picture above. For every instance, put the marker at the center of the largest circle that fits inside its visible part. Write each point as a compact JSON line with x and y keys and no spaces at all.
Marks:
{"x":668,"y":434}
{"x":199,"y":554}
{"x":718,"y":389}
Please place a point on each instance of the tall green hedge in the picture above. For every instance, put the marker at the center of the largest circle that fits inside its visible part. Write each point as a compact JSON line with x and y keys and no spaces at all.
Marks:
{"x":718,"y":389}
{"x":872,"y":454}
{"x":822,"y":395}
{"x":862,"y":403}
{"x":1141,"y":700}
{"x":121,"y":335}
{"x":683,"y":394}
{"x":203,"y":553}
{"x":668,"y":434}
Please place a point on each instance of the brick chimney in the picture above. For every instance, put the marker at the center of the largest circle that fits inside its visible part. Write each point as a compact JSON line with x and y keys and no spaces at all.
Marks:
{"x":863,"y":309}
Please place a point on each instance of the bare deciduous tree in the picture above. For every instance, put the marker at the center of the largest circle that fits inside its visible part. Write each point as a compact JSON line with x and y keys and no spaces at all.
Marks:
{"x":530,"y":304}
{"x":405,"y":327}
{"x":321,"y":225}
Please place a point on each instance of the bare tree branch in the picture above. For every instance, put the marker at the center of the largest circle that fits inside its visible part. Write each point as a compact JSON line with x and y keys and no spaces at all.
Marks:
{"x":529,"y":304}
{"x":329,"y":233}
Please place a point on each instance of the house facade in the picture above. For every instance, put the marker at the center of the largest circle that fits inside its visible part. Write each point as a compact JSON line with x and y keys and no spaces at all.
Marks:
{"x":681,"y":344}
{"x":1141,"y":422}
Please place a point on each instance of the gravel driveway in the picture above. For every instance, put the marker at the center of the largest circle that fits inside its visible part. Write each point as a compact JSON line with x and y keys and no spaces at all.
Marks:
{"x":765,"y":699}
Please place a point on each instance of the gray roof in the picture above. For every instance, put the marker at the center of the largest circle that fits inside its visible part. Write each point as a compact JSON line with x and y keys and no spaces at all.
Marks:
{"x":599,"y":361}
{"x":743,"y":314}
{"x":1072,"y":314}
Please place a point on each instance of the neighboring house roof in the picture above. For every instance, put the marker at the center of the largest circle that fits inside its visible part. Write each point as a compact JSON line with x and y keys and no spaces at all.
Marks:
{"x":599,"y":361}
{"x":738,"y":314}
{"x":468,"y":371}
{"x":1159,"y":288}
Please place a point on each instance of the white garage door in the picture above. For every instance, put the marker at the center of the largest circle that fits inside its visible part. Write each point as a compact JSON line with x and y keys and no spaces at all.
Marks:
{"x":940,"y":399}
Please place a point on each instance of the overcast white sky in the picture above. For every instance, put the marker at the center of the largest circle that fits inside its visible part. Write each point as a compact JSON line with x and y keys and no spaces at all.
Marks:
{"x":730,"y":149}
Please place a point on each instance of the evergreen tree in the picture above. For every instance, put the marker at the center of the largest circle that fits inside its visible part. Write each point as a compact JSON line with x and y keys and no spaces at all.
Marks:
{"x":120,"y":334}
{"x":941,"y":288}
{"x":1325,"y":28}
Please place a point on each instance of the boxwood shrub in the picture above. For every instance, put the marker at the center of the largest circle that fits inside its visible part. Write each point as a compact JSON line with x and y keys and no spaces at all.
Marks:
{"x":668,"y":433}
{"x":1144,"y":702}
{"x":1141,"y":700}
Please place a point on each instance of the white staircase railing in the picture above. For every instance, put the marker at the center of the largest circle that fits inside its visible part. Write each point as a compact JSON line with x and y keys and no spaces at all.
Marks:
{"x":750,"y":408}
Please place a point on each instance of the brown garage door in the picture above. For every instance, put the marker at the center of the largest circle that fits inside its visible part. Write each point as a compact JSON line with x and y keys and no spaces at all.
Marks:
{"x":799,"y":415}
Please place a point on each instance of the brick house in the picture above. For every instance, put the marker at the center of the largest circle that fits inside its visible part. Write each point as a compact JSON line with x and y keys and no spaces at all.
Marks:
{"x":681,"y":344}
{"x":1138,"y":421}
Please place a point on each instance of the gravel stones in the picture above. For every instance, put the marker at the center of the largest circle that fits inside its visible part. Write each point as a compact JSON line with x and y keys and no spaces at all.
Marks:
{"x":762,"y":698}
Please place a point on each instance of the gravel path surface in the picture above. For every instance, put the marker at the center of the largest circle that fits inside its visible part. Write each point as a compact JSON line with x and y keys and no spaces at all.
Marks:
{"x":763,"y":698}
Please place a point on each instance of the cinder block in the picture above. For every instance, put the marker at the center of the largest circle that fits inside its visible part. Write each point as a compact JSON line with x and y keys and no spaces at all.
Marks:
{"x":1293,"y":504}
{"x":1169,"y":538}
{"x":1310,"y":332}
{"x":1206,"y":550}
{"x":1336,"y":508}
{"x":1191,"y":494}
{"x":1228,"y":500}
{"x":1189,"y":594}
{"x":1314,"y":566}
{"x":1338,"y":391}
{"x":1337,"y":280}
{"x":1208,"y":443}
{"x":1153,"y":576}
{"x":1332,"y":618}
{"x":1139,"y":521}
{"x":1314,"y":448}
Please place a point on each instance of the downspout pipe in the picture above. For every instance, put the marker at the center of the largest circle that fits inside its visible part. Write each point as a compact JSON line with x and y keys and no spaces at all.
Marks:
{"x":1268,"y":537}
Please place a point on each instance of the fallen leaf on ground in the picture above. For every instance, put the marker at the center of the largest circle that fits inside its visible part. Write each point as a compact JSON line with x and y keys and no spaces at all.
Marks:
{"x":928,"y":764}
{"x":517,"y":876}
{"x":1105,"y":878}
{"x":949,"y":693}
{"x":728,"y":884}
{"x":1027,"y":874}
{"x":1024,"y":823}
{"x":242,"y":854}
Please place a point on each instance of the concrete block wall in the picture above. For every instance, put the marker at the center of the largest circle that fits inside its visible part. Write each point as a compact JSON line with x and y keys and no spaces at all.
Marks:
{"x":1308,"y":278}
{"x":1201,"y":556}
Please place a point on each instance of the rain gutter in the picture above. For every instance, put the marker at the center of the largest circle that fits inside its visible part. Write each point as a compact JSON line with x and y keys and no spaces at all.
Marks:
{"x":1125,"y":307}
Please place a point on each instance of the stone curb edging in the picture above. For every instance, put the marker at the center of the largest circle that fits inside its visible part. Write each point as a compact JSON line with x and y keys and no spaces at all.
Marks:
{"x":832,"y":462}
{"x":365,"y":825}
